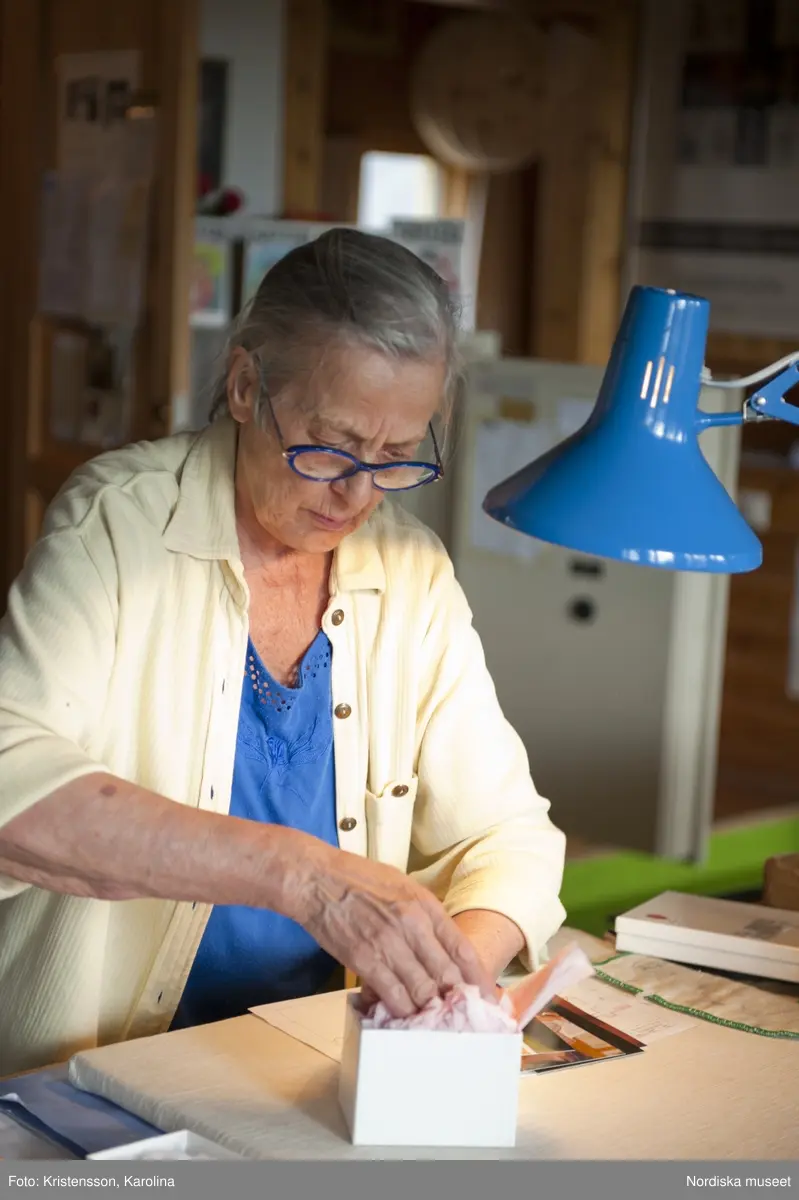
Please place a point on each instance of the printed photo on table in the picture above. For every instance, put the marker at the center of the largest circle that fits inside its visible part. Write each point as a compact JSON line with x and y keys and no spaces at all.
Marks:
{"x":566,"y":1036}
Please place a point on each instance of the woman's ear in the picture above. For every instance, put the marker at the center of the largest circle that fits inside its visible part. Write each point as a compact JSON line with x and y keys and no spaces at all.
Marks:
{"x":243,"y":383}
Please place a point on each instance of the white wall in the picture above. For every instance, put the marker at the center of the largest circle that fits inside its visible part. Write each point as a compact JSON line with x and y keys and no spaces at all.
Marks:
{"x":249,"y":34}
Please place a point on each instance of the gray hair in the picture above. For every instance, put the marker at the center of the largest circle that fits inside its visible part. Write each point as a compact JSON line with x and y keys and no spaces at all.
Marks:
{"x":350,"y":288}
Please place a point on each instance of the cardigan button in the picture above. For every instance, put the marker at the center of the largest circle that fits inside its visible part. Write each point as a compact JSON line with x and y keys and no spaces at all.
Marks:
{"x":400,"y":790}
{"x":337,"y":617}
{"x":342,"y":711}
{"x":347,"y":824}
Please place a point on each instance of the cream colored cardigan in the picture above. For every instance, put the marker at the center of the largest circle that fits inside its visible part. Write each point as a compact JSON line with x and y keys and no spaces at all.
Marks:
{"x":123,"y":650}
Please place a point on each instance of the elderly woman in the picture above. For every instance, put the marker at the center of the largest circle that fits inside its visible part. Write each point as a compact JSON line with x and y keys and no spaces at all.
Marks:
{"x":247,"y":733}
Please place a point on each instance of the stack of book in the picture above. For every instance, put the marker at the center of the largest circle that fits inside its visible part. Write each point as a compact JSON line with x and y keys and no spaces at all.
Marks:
{"x":725,"y":935}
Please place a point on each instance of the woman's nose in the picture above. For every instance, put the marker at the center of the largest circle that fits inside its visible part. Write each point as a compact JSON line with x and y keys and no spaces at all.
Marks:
{"x":356,"y":488}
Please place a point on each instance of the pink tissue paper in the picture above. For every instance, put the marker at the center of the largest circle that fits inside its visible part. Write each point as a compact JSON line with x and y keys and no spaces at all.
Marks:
{"x":464,"y":1009}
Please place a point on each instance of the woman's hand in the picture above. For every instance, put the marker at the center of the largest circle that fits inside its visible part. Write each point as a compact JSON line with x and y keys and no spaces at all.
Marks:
{"x":386,"y":928}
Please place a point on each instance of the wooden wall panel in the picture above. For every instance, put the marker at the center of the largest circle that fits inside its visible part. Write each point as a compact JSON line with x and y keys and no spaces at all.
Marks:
{"x":605,"y":229}
{"x":167,"y":349}
{"x":306,"y":65}
{"x":758,"y":761}
{"x":35,"y":35}
{"x":341,"y":176}
{"x":583,"y":183}
{"x":21,"y":54}
{"x":367,"y":94}
{"x":758,"y":765}
{"x":759,"y":735}
{"x":507,"y":259}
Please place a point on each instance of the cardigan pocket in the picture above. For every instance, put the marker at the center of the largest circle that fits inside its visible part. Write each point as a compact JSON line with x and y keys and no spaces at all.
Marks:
{"x":389,"y":821}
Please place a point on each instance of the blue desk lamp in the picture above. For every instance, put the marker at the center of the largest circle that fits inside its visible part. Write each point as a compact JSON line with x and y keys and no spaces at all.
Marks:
{"x":633,"y":484}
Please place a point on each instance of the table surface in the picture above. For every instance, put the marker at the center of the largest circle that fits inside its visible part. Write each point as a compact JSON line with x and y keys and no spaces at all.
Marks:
{"x":708,"y":1093}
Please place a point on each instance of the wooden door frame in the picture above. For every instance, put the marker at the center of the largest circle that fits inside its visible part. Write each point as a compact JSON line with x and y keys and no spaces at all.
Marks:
{"x":21,"y":28}
{"x":25,"y":107}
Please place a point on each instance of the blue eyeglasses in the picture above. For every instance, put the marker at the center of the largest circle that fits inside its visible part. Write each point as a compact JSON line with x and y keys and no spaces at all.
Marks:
{"x":324,"y":464}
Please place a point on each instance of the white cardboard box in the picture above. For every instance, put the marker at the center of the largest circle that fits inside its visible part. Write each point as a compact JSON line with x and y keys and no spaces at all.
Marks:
{"x":749,"y":939}
{"x":166,"y":1145}
{"x":424,"y":1088}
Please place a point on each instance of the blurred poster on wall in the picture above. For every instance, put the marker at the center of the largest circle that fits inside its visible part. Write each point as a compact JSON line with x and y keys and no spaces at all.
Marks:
{"x":716,"y":160}
{"x":271,"y":242}
{"x":501,"y":449}
{"x":95,"y":210}
{"x":210,"y":302}
{"x":440,"y":245}
{"x":64,"y":219}
{"x":117,"y":252}
{"x":94,"y":92}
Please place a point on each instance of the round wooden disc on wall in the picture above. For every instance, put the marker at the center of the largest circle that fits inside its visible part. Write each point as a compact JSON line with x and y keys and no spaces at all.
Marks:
{"x":477,"y":92}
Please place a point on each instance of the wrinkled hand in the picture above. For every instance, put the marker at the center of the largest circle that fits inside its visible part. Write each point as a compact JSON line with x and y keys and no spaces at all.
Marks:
{"x":393,"y":933}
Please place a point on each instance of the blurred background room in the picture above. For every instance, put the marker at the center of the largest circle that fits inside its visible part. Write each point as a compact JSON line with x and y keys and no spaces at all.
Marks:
{"x":544,"y":155}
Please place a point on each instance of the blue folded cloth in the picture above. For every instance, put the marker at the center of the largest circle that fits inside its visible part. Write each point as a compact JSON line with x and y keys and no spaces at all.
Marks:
{"x":80,"y":1122}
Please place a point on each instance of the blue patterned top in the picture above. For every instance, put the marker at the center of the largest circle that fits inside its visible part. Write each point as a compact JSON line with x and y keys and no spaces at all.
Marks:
{"x":283,"y":775}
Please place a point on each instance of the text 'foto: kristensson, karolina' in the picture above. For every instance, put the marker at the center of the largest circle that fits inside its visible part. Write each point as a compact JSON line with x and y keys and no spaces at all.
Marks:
{"x":92,"y":1181}
{"x":738,"y":1181}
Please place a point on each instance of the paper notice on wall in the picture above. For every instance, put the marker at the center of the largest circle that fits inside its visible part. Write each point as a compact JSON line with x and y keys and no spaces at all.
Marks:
{"x":117,"y":252}
{"x":93,"y":247}
{"x":64,"y":232}
{"x":263,"y":251}
{"x":501,"y":449}
{"x":440,"y":245}
{"x":94,"y":93}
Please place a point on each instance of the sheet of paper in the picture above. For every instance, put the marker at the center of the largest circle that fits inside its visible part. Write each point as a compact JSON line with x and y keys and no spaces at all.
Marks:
{"x":116,"y":251}
{"x":62,"y":262}
{"x":261,"y":254}
{"x":501,"y":449}
{"x":570,"y":966}
{"x":636,"y":1017}
{"x":437,"y":243}
{"x":94,"y":91}
{"x":316,"y":1021}
{"x":717,"y":995}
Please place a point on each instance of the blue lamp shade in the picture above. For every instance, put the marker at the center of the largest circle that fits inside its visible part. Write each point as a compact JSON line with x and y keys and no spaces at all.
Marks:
{"x":633,"y":483}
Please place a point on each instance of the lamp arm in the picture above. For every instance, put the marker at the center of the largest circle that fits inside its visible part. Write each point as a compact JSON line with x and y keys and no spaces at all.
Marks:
{"x":768,"y":402}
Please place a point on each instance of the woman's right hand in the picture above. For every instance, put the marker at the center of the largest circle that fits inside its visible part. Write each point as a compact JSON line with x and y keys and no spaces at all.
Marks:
{"x":393,"y":933}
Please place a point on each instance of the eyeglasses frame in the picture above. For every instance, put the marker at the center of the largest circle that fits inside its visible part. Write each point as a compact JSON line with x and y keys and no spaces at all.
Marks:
{"x":291,"y":453}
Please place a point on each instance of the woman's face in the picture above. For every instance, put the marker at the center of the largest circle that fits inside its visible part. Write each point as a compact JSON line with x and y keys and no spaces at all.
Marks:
{"x":356,"y":400}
